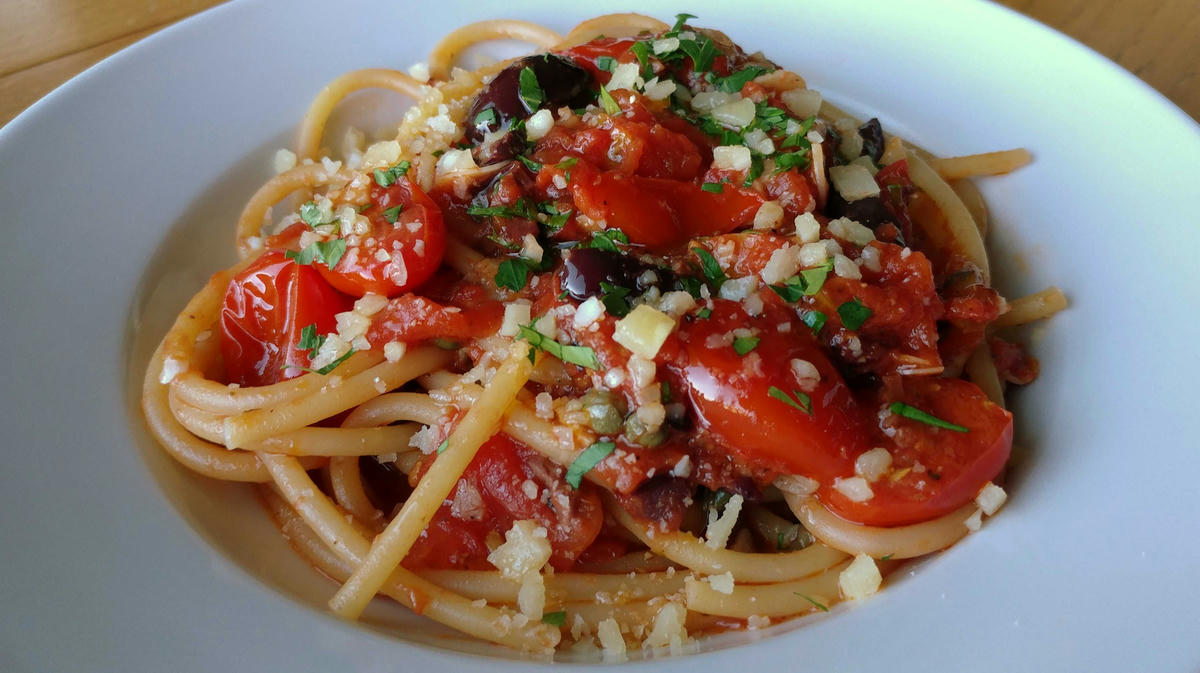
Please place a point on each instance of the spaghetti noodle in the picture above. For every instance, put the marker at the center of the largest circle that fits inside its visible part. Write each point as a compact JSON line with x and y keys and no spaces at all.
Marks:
{"x":634,"y":338}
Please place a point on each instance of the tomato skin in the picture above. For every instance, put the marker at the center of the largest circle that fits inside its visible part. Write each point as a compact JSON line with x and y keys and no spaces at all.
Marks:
{"x":497,"y":475}
{"x":732,"y":400}
{"x":265,"y":308}
{"x":415,"y":245}
{"x":661,"y":213}
{"x":411,"y":318}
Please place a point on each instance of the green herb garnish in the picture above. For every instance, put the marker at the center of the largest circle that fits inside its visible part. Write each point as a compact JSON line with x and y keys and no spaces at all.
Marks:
{"x":606,"y":100}
{"x":801,"y":402}
{"x":512,"y":274}
{"x":326,"y":252}
{"x":529,"y":90}
{"x":576,"y":355}
{"x":555,"y":618}
{"x":589,"y":458}
{"x":817,"y":605}
{"x":902,"y":409}
{"x":711,"y":269}
{"x":392,"y":214}
{"x":853,"y":313}
{"x":743,"y":345}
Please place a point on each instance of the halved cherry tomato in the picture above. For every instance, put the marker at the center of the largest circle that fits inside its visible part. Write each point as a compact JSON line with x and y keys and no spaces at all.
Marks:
{"x":412,"y":318}
{"x":492,"y":495}
{"x":266,"y":307}
{"x":933,"y":470}
{"x":733,"y":400}
{"x":393,"y":257}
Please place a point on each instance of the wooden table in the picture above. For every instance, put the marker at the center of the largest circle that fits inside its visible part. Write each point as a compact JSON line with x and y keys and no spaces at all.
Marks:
{"x":44,"y":43}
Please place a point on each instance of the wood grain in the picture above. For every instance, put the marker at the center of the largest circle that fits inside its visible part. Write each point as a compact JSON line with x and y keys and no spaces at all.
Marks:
{"x":43,"y":43}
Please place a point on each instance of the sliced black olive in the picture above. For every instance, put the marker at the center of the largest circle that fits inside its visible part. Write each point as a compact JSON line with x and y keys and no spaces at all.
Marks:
{"x":870,"y":212}
{"x":872,"y":137}
{"x":584,"y":269}
{"x":562,"y":83}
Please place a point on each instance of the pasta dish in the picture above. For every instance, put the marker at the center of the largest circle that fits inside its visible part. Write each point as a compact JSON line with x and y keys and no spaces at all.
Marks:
{"x":631,"y":340}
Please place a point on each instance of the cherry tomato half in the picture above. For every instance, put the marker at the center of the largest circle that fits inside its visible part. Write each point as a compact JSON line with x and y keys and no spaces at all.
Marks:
{"x":265,"y":309}
{"x":402,"y":249}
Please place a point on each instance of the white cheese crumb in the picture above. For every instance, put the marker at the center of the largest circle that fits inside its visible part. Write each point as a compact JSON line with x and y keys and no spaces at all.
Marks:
{"x":717,"y":535}
{"x":525,"y":550}
{"x":813,"y":254}
{"x":769,"y":215}
{"x":991,"y":498}
{"x":171,"y":368}
{"x":543,"y":405}
{"x":370,"y":304}
{"x":394,"y":350}
{"x":722,"y":583}
{"x":808,"y":230}
{"x":419,"y":72}
{"x":796,"y":484}
{"x":531,"y":250}
{"x":676,"y":303}
{"x":382,"y":153}
{"x":737,"y":289}
{"x":531,"y":597}
{"x":856,"y":489}
{"x":625,"y":76}
{"x":849,"y":230}
{"x":803,"y":103}
{"x":975,"y":521}
{"x":844,"y":267}
{"x":285,"y":160}
{"x":454,"y":161}
{"x":588,"y":312}
{"x":683,"y":468}
{"x":860,"y":579}
{"x":783,"y":264}
{"x":669,"y":628}
{"x":659,"y":90}
{"x":756,"y":622}
{"x":611,"y":640}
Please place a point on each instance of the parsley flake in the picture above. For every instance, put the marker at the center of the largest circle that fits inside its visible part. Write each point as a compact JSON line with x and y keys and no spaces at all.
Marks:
{"x":853,"y":313}
{"x":388,"y":177}
{"x":444,"y":445}
{"x":606,"y":100}
{"x":392,"y":214}
{"x":555,"y":618}
{"x":576,"y":355}
{"x":606,"y":63}
{"x":530,"y":163}
{"x":819,"y":606}
{"x":711,"y":269}
{"x":585,"y":461}
{"x":529,"y":90}
{"x":714,"y":187}
{"x":743,"y":345}
{"x":814,"y":319}
{"x":512,"y":274}
{"x":311,"y":215}
{"x":326,"y":252}
{"x":902,"y":409}
{"x":614,"y":299}
{"x":802,"y":402}
{"x":607,"y":240}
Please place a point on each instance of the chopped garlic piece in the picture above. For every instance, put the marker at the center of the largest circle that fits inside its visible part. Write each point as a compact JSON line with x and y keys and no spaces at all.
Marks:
{"x":860,"y":579}
{"x":717,"y":535}
{"x":525,"y":550}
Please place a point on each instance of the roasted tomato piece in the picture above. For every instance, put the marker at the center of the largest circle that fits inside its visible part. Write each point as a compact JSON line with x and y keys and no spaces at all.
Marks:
{"x":266,"y":308}
{"x":403,"y":248}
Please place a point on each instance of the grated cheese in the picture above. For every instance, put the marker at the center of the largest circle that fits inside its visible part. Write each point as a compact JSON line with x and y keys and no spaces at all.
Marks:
{"x":525,"y":550}
{"x":644,"y":330}
{"x":860,"y":579}
{"x":722,"y":583}
{"x":856,"y":489}
{"x":539,"y":124}
{"x":516,"y":313}
{"x":991,"y":498}
{"x":611,"y":640}
{"x":717,"y":535}
{"x":808,"y":230}
{"x":871,"y":465}
{"x":769,"y":215}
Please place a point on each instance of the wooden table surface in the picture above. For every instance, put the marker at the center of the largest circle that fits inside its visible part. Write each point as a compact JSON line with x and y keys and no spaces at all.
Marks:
{"x":43,"y":43}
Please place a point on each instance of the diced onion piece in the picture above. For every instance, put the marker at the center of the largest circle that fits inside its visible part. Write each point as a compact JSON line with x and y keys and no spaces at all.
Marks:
{"x":991,"y":498}
{"x":285,"y":160}
{"x":455,"y":161}
{"x":625,"y":76}
{"x":665,"y":45}
{"x":849,"y":230}
{"x":860,"y":579}
{"x":644,"y":330}
{"x":382,"y":153}
{"x":705,"y":101}
{"x":808,"y":230}
{"x":853,"y":182}
{"x":659,"y":90}
{"x":769,"y":215}
{"x":803,"y":103}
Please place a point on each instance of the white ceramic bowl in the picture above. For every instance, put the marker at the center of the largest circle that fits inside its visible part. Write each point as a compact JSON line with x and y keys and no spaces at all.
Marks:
{"x":118,"y":194}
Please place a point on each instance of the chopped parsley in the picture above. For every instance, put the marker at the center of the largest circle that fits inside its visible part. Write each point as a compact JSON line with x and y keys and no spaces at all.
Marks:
{"x":529,"y":90}
{"x":711,"y":269}
{"x":521,"y":209}
{"x":566,"y":165}
{"x":756,"y":168}
{"x":614,"y":299}
{"x":606,"y":63}
{"x":804,"y":284}
{"x":734,"y":83}
{"x":392,"y":214}
{"x":585,"y":461}
{"x":801,"y":402}
{"x":556,"y":219}
{"x":576,"y":355}
{"x":327,"y":368}
{"x":607,"y":240}
{"x":512,"y":274}
{"x":680,"y":19}
{"x":902,"y":409}
{"x":444,"y":445}
{"x":819,"y":606}
{"x":814,"y":319}
{"x":714,"y":187}
{"x":486,"y":117}
{"x":743,"y":345}
{"x":311,"y":215}
{"x":853,"y":313}
{"x":555,"y":618}
{"x":704,"y":313}
{"x":701,"y":50}
{"x":310,"y":340}
{"x":530,"y":163}
{"x":641,"y":50}
{"x":790,"y":160}
{"x":388,"y":177}
{"x":606,"y":100}
{"x":325,"y":252}
{"x":886,"y":558}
